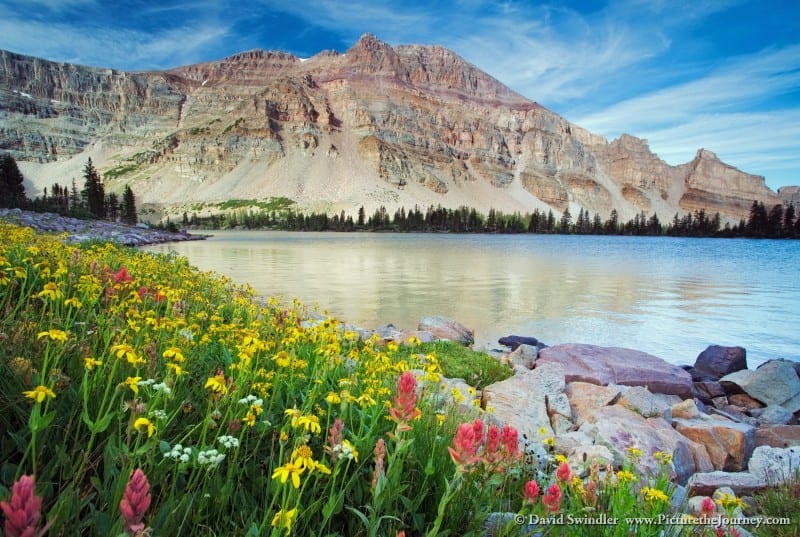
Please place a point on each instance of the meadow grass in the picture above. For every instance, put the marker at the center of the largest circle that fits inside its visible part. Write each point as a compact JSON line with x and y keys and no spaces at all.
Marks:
{"x":141,"y":396}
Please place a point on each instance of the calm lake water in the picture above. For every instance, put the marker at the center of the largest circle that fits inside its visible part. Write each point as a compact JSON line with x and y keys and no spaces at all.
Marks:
{"x":668,"y":296}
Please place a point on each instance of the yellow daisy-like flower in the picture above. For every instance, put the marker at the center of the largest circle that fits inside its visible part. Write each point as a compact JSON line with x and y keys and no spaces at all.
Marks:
{"x":289,"y":470}
{"x":91,"y":363}
{"x":217,"y":384}
{"x":175,"y":368}
{"x":561,"y":458}
{"x":333,"y":398}
{"x":414,"y":340}
{"x":144,"y":425}
{"x":173,"y":353}
{"x":309,"y":423}
{"x":54,"y":334}
{"x":654,"y":495}
{"x":304,"y":457}
{"x":73,"y":302}
{"x":662,"y":457}
{"x":39,"y":393}
{"x":727,"y":500}
{"x":282,"y":359}
{"x":284,"y":519}
{"x":635,"y":452}
{"x":625,"y":475}
{"x":133,"y":383}
{"x":126,"y":351}
{"x":51,"y":291}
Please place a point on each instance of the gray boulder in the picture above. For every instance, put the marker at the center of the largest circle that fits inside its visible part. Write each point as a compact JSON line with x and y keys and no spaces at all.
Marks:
{"x":775,"y":465}
{"x":444,"y":328}
{"x":774,"y":383}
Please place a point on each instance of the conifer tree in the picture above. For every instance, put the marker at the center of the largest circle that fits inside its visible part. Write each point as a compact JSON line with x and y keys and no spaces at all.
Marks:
{"x":129,"y":215}
{"x":12,"y":189}
{"x":93,"y":192}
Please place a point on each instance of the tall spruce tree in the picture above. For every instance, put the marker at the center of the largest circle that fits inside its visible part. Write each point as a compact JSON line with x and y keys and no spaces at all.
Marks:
{"x":129,"y":215}
{"x":12,"y":189}
{"x":93,"y":192}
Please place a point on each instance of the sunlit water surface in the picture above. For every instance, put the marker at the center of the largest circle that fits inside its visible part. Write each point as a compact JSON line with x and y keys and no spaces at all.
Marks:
{"x":668,"y":296}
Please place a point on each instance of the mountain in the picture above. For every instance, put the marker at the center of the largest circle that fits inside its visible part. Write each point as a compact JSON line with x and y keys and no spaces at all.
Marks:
{"x":377,"y":125}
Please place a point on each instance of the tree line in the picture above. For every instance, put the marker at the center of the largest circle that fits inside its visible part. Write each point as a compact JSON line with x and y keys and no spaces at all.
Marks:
{"x":91,"y":201}
{"x":778,"y":222}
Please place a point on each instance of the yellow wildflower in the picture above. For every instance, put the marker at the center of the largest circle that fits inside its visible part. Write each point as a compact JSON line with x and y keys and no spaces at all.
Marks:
{"x":39,"y":393}
{"x":634,"y":452}
{"x":174,"y":353}
{"x":284,"y":519}
{"x":304,"y":457}
{"x":91,"y":363}
{"x":54,"y":334}
{"x":133,"y":383}
{"x":333,"y":398}
{"x":51,"y":291}
{"x":662,"y":457}
{"x":216,"y":384}
{"x":654,"y":495}
{"x":175,"y":368}
{"x":727,"y":500}
{"x":625,"y":475}
{"x":282,"y":359}
{"x":309,"y":423}
{"x":73,"y":302}
{"x":288,"y":470}
{"x":126,"y":351}
{"x":560,"y":458}
{"x":144,"y":425}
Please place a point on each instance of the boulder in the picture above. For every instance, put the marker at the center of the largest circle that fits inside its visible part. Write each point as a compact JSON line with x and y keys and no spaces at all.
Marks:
{"x":532,"y":401}
{"x":581,"y":457}
{"x":585,"y":398}
{"x":744,"y":401}
{"x":775,"y":415}
{"x":717,"y":361}
{"x":742,"y":483}
{"x":515,"y":341}
{"x":707,"y":391}
{"x":614,"y":365}
{"x":522,"y":357}
{"x":774,"y":383}
{"x":619,"y":429}
{"x":642,"y":401}
{"x":685,"y":409}
{"x":567,"y":442}
{"x":775,"y":465}
{"x":781,"y":436}
{"x":729,"y":444}
{"x":444,"y":328}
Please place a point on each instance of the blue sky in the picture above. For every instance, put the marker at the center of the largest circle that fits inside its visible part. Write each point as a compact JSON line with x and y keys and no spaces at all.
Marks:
{"x":684,"y":74}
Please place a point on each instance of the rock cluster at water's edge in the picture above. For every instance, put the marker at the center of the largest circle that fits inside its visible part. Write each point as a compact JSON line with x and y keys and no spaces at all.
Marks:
{"x":85,"y":230}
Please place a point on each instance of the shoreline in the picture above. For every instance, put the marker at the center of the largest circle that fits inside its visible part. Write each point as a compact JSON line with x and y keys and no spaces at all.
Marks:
{"x":78,"y":230}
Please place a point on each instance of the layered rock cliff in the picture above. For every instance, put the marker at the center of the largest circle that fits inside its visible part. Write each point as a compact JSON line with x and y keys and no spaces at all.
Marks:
{"x":377,"y":125}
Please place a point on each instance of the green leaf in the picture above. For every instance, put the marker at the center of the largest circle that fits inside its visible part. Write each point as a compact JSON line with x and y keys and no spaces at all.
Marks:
{"x":164,"y":447}
{"x":37,"y":422}
{"x":103,"y":424}
{"x":253,"y":531}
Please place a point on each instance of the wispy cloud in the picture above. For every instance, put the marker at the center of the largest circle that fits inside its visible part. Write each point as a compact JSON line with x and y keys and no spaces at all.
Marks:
{"x":708,"y":112}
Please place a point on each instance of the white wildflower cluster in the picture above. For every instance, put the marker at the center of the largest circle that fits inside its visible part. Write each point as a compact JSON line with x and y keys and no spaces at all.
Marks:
{"x":179,"y":453}
{"x":159,"y":415}
{"x":148,"y":382}
{"x":210,"y":458}
{"x":251,"y":400}
{"x":162,"y":387}
{"x":345,"y":450}
{"x":228,"y":441}
{"x":187,"y":334}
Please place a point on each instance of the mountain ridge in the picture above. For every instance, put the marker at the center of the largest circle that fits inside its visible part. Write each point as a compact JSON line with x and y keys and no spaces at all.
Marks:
{"x":375,"y":125}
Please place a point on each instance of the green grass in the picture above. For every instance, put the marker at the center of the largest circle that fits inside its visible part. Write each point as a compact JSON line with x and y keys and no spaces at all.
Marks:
{"x":478,"y":369}
{"x":782,"y":501}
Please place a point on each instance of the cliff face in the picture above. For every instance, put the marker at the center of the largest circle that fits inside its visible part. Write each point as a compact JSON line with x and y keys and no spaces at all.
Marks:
{"x":376,"y":125}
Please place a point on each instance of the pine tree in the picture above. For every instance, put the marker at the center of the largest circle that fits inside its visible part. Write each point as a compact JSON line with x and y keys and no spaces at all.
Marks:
{"x":12,"y":189}
{"x":93,"y":192}
{"x":129,"y":215}
{"x":788,"y":219}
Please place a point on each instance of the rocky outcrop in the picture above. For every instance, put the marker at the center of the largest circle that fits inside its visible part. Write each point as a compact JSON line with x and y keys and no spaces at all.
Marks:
{"x":613,"y":365}
{"x":773,"y":383}
{"x":410,"y":125}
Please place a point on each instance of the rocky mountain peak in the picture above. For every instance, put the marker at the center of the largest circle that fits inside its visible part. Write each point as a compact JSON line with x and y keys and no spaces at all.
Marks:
{"x":376,"y":126}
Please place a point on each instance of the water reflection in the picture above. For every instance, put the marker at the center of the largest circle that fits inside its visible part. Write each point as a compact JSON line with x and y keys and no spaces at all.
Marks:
{"x":670,"y":297}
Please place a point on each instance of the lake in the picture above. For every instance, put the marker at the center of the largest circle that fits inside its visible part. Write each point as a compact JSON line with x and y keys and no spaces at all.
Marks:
{"x":671,"y":297}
